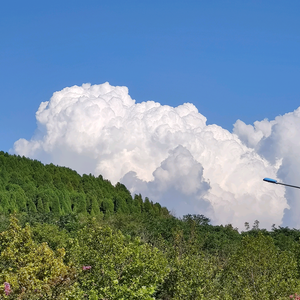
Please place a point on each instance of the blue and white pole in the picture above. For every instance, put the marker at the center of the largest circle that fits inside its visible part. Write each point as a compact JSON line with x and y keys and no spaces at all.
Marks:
{"x":276,"y":182}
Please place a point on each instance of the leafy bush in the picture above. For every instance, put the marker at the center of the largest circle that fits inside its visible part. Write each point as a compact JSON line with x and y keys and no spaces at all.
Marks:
{"x":258,"y":270}
{"x":32,"y":270}
{"x":119,"y":268}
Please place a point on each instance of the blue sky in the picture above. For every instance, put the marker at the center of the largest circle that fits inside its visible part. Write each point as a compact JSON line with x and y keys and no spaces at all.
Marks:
{"x":231,"y":59}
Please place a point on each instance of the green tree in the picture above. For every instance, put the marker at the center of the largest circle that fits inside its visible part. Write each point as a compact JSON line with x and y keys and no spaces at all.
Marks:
{"x":107,"y":206}
{"x":32,"y":270}
{"x":192,"y":277}
{"x":120,"y":205}
{"x":117,"y":268}
{"x":18,"y":198}
{"x":258,"y":270}
{"x":148,"y":207}
{"x":78,"y":201}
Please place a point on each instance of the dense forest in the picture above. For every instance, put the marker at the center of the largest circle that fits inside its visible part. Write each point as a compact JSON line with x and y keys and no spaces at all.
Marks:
{"x":66,"y":236}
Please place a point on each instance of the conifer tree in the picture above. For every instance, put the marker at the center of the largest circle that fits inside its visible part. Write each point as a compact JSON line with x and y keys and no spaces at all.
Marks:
{"x":107,"y":206}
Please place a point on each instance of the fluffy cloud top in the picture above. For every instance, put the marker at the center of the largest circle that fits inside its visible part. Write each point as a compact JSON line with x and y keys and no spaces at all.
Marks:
{"x":168,"y":153}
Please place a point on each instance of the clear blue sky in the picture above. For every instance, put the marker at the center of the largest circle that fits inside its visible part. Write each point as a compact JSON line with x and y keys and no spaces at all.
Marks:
{"x":232,"y":59}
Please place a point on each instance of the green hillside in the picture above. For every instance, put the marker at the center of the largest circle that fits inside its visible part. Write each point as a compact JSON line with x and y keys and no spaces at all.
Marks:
{"x":29,"y":186}
{"x":66,"y":236}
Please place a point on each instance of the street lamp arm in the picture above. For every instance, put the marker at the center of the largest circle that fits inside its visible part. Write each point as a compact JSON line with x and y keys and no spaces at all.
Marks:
{"x":276,"y":182}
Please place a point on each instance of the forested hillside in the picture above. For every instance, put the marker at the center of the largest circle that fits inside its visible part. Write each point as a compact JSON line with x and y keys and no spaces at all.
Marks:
{"x":29,"y":186}
{"x":66,"y":236}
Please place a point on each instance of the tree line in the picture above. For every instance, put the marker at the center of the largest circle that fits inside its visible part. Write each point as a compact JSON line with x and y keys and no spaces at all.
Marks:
{"x":29,"y":186}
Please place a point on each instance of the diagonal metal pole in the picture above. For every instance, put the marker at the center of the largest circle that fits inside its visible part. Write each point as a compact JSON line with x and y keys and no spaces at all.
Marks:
{"x":276,"y":182}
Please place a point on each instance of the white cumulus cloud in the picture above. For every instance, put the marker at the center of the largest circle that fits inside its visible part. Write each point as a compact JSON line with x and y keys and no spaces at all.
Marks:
{"x":278,"y":141}
{"x":167,"y":153}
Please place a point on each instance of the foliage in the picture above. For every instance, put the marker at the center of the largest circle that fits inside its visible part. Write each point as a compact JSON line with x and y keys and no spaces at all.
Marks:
{"x":118,"y":268}
{"x":29,"y":186}
{"x":80,"y":237}
{"x":32,"y":270}
{"x":192,"y":277}
{"x":258,"y":270}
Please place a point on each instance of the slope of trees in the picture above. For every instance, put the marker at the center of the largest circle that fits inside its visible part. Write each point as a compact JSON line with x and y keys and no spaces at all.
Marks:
{"x":29,"y":186}
{"x":66,"y":236}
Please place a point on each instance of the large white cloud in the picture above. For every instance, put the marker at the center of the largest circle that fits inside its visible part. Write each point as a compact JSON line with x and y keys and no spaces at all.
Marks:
{"x":166,"y":153}
{"x":278,"y":141}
